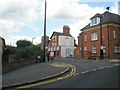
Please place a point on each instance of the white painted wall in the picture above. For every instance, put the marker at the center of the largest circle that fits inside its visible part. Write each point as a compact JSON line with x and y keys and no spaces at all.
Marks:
{"x":67,"y":46}
{"x":66,"y":41}
{"x":64,"y":50}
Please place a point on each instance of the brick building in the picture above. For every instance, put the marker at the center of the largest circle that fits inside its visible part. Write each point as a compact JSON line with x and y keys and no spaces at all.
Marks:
{"x":89,"y":39}
{"x":62,"y":43}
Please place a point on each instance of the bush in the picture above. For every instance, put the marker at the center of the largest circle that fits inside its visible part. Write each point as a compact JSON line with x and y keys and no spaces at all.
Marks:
{"x":24,"y":52}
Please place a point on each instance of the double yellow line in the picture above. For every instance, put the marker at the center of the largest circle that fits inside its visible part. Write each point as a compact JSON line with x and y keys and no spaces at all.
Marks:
{"x":73,"y":70}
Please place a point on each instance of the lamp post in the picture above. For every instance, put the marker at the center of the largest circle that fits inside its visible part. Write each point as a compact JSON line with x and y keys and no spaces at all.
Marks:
{"x":101,"y":46}
{"x":44,"y":32}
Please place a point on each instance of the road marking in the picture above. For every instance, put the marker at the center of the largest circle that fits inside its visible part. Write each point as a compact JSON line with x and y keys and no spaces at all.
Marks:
{"x":52,"y":80}
{"x":107,"y":66}
{"x":116,"y":64}
{"x":76,"y":74}
{"x":111,"y":66}
{"x":93,"y":70}
{"x":85,"y":72}
{"x":101,"y":67}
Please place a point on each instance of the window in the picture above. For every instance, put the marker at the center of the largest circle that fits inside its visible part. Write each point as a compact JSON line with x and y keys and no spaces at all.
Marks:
{"x":80,"y":48}
{"x":85,"y":38}
{"x":55,"y":38}
{"x":52,"y":44}
{"x":85,"y":48}
{"x":95,"y":21}
{"x":48,"y":49}
{"x":117,"y":48}
{"x":94,"y":36}
{"x":114,"y":34}
{"x":58,"y":47}
{"x":104,"y":48}
{"x":94,"y":49}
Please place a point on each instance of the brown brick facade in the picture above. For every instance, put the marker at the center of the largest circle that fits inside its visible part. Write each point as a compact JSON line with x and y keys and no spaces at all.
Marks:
{"x":110,"y":38}
{"x":107,"y":39}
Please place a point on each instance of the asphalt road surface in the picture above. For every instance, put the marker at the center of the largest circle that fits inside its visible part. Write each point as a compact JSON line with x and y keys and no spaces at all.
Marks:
{"x":90,"y":74}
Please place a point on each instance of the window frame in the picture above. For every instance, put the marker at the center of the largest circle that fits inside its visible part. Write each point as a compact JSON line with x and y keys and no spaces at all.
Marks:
{"x":94,"y":49}
{"x":85,"y":37}
{"x":104,"y":48}
{"x":85,"y":48}
{"x":114,"y":34}
{"x":94,"y":36}
{"x":116,"y":48}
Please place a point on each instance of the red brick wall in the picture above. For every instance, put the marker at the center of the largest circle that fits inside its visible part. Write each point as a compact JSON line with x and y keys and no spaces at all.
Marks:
{"x":57,"y":53}
{"x":107,"y":38}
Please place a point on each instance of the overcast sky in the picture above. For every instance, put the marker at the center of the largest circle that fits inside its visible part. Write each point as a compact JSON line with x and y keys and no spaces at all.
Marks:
{"x":23,"y":19}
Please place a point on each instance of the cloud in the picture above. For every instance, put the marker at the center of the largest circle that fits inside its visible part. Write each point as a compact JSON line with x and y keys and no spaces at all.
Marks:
{"x":11,"y":40}
{"x":114,"y":9}
{"x":71,"y":9}
{"x":14,"y":14}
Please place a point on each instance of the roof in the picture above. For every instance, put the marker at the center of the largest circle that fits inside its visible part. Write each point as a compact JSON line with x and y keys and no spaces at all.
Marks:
{"x":61,"y":34}
{"x":58,"y":34}
{"x":107,"y":17}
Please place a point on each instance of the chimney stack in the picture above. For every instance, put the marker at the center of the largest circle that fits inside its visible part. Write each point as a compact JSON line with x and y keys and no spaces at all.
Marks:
{"x":66,"y":30}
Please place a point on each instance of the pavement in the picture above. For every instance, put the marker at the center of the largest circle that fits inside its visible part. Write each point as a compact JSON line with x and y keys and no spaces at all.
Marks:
{"x":37,"y":72}
{"x":33,"y":73}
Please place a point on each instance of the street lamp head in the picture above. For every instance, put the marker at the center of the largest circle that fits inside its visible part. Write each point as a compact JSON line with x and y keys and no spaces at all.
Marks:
{"x":100,"y":16}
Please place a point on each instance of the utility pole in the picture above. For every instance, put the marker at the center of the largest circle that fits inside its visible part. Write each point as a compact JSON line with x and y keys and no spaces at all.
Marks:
{"x":101,"y":46}
{"x":44,"y":32}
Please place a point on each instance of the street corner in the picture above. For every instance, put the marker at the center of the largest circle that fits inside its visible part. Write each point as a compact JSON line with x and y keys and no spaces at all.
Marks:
{"x":115,"y":61}
{"x":59,"y":64}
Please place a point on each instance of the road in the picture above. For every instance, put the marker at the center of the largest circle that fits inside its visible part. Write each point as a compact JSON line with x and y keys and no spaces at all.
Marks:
{"x":89,"y":74}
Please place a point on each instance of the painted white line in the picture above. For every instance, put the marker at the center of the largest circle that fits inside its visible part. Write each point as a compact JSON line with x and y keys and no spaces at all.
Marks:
{"x":111,"y":66}
{"x":85,"y":72}
{"x":102,"y":68}
{"x":107,"y":66}
{"x":76,"y":74}
{"x":93,"y":70}
{"x":116,"y":64}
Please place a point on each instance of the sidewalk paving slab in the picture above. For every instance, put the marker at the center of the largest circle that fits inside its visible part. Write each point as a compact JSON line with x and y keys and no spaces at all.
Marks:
{"x":33,"y":72}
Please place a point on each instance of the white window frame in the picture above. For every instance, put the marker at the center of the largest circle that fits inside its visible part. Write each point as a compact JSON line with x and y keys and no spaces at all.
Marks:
{"x":104,"y":48}
{"x":55,"y":44}
{"x":94,"y":36}
{"x":94,"y":49}
{"x":114,"y":34}
{"x":52,"y":44}
{"x":95,"y":21}
{"x":55,"y":38}
{"x":85,"y":38}
{"x":80,"y":49}
{"x":85,"y":48}
{"x":117,"y":48}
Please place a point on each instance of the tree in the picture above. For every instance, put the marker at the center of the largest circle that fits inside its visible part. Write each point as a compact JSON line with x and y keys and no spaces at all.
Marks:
{"x":23,"y":43}
{"x":26,"y":52}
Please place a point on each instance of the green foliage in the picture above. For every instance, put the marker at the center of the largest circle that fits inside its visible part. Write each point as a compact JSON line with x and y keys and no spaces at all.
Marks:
{"x":28,"y":52}
{"x":34,"y":50}
{"x":11,"y":49}
{"x":23,"y":43}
